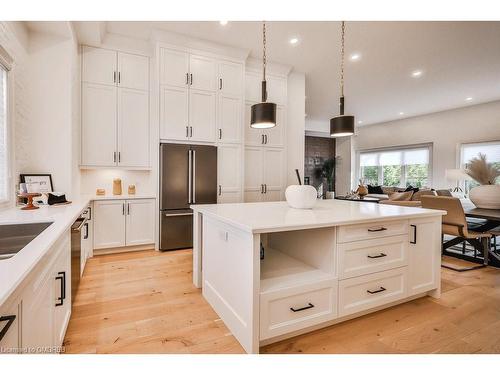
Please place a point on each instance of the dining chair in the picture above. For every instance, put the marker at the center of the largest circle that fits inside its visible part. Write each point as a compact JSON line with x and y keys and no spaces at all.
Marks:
{"x":454,"y":224}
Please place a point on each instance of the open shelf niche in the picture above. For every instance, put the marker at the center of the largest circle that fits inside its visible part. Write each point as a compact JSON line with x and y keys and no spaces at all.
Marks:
{"x":295,"y":258}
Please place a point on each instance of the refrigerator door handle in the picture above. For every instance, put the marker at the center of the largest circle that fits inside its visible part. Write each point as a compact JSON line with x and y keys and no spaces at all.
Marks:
{"x":190,"y":176}
{"x":194,"y":177}
{"x":183,"y":214}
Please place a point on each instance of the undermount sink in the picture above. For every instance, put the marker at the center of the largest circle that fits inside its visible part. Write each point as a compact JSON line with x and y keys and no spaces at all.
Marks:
{"x":14,"y":237}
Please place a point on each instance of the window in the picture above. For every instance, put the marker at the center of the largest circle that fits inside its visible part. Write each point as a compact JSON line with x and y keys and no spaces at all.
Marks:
{"x":401,"y":166}
{"x":469,"y":151}
{"x":4,"y":147}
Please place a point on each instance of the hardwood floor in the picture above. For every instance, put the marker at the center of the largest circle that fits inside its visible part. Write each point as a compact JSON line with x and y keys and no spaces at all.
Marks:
{"x":144,"y":302}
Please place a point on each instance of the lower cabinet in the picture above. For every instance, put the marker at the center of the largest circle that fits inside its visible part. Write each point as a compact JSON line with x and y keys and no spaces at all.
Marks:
{"x":264,"y":177}
{"x":120,"y":223}
{"x":10,"y":317}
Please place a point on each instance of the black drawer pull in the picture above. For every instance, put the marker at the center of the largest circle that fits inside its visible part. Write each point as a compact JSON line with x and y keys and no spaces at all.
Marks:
{"x":9,"y":319}
{"x":381,"y":255}
{"x":381,"y":229}
{"x":61,"y":276}
{"x":382,"y":289}
{"x":414,"y":234}
{"x":309,"y":306}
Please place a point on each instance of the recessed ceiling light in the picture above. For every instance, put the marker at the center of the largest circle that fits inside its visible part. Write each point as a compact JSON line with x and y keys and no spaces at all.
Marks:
{"x":401,"y":113}
{"x":223,"y":23}
{"x":294,"y":40}
{"x":416,"y":73}
{"x":360,"y":122}
{"x":468,"y":99}
{"x":355,"y":56}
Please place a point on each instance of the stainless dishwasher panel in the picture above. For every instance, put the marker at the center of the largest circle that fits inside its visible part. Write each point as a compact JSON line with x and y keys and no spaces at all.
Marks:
{"x":76,"y":253}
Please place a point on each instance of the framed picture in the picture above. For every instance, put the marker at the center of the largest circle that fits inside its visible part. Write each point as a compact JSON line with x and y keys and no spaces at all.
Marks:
{"x":37,"y":183}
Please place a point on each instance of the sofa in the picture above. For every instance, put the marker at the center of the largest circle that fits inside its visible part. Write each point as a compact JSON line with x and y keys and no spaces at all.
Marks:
{"x":399,"y":197}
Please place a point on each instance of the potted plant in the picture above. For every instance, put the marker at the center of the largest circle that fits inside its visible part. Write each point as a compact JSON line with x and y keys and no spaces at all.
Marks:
{"x":487,"y":194}
{"x":327,"y":171}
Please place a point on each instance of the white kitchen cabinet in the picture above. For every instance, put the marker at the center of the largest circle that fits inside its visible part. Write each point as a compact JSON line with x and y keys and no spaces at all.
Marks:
{"x":276,"y":88}
{"x":229,"y":165}
{"x":231,"y":78}
{"x":174,"y":68}
{"x":115,"y":111}
{"x":264,"y":174}
{"x":133,"y":71}
{"x":133,"y":132}
{"x":229,"y":119}
{"x":61,"y":276}
{"x":10,"y":315}
{"x":174,"y":113}
{"x":109,"y":224}
{"x":119,"y":223}
{"x":424,"y":255}
{"x":140,"y":222}
{"x":201,"y":115}
{"x":99,"y":66}
{"x":202,"y":73}
{"x":99,"y":125}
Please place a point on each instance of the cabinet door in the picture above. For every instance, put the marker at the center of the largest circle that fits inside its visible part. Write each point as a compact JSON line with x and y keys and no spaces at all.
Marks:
{"x":109,"y":224}
{"x":229,"y":173}
{"x":424,"y":255}
{"x":140,"y":222}
{"x":202,"y":115}
{"x":273,"y":174}
{"x":61,"y":275}
{"x":253,"y":137}
{"x":133,"y":128}
{"x":38,"y":314}
{"x":174,"y":113}
{"x":98,"y":125}
{"x":275,"y":136}
{"x":229,"y":119}
{"x":230,"y":78}
{"x":174,"y":68}
{"x":11,"y":341}
{"x":253,"y":82}
{"x":99,"y":66}
{"x":202,"y":73}
{"x":276,"y":90}
{"x":133,"y":71}
{"x":253,"y":174}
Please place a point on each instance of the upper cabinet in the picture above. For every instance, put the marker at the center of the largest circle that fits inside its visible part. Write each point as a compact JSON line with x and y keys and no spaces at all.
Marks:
{"x":276,"y":88}
{"x":201,"y":98}
{"x":115,"y":109}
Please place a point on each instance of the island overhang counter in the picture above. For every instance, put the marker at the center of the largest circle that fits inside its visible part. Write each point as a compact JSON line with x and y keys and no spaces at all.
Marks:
{"x":273,"y":272}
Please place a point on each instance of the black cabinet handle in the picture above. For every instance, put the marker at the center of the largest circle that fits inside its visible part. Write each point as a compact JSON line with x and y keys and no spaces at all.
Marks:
{"x":86,"y":235}
{"x":9,"y":319}
{"x":114,"y":77}
{"x":381,"y":289}
{"x":187,"y":131}
{"x":220,"y":189}
{"x":414,"y":234}
{"x":61,"y":276}
{"x":191,"y":75}
{"x":187,"y":78}
{"x":220,"y":83}
{"x":381,"y":229}
{"x":265,"y":188}
{"x":381,"y":255}
{"x":119,"y":77}
{"x":309,"y":306}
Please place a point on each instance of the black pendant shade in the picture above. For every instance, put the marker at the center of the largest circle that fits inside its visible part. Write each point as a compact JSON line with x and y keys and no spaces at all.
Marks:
{"x":263,"y":115}
{"x":342,"y":125}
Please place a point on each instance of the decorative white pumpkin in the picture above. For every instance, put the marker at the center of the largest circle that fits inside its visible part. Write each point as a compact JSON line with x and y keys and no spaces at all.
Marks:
{"x":486,"y":196}
{"x":301,"y":196}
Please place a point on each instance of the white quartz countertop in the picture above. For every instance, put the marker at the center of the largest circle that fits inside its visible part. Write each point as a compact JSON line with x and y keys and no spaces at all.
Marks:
{"x":15,"y":269}
{"x":123,"y":196}
{"x":265,"y":217}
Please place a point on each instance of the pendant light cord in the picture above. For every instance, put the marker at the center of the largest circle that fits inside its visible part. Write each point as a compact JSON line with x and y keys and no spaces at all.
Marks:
{"x":342,"y":61}
{"x":264,"y":57}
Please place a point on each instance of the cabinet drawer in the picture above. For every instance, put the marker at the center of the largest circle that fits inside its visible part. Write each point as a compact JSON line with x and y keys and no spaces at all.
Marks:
{"x":296,"y":308}
{"x":359,"y":232}
{"x":369,"y":256}
{"x":365,"y":292}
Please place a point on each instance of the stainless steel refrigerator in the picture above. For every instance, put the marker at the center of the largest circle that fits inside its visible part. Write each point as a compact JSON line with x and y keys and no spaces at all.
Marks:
{"x":188,"y":175}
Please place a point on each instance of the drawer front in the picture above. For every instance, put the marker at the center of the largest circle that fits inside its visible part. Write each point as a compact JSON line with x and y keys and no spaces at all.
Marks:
{"x":365,"y":292}
{"x":367,"y":231}
{"x":287,"y":311}
{"x":365,"y":257}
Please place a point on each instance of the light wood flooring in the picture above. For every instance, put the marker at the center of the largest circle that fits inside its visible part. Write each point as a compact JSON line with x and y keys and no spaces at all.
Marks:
{"x":145,"y":302}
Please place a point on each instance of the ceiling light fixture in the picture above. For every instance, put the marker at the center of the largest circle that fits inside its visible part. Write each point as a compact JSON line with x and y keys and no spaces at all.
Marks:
{"x":360,"y":122}
{"x":416,"y":73}
{"x":355,"y":56}
{"x":223,"y":23}
{"x":401,"y":113}
{"x":468,"y":99}
{"x":294,"y":41}
{"x":342,"y":125}
{"x":263,"y":115}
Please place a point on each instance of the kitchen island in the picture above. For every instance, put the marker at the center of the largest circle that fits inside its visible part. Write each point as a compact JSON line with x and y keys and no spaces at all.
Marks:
{"x":273,"y":272}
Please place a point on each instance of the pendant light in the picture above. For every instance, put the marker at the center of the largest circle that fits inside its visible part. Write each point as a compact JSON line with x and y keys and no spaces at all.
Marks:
{"x":342,"y":125}
{"x":263,"y":115}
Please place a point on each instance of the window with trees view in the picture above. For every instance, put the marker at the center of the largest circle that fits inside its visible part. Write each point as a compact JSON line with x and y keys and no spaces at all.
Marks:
{"x":469,"y":151}
{"x":399,"y":167}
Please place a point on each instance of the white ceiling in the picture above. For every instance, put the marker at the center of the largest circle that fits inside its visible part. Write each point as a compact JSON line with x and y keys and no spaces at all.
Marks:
{"x":458,"y":60}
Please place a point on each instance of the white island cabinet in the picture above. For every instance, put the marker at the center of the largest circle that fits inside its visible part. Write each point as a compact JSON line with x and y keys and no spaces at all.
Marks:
{"x":273,"y":272}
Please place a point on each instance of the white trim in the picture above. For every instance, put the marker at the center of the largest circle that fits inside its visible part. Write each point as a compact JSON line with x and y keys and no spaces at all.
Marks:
{"x":461,"y":164}
{"x":8,"y":202}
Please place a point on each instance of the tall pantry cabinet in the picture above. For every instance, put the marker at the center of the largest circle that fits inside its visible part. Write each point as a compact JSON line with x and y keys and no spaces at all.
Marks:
{"x":115,"y":109}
